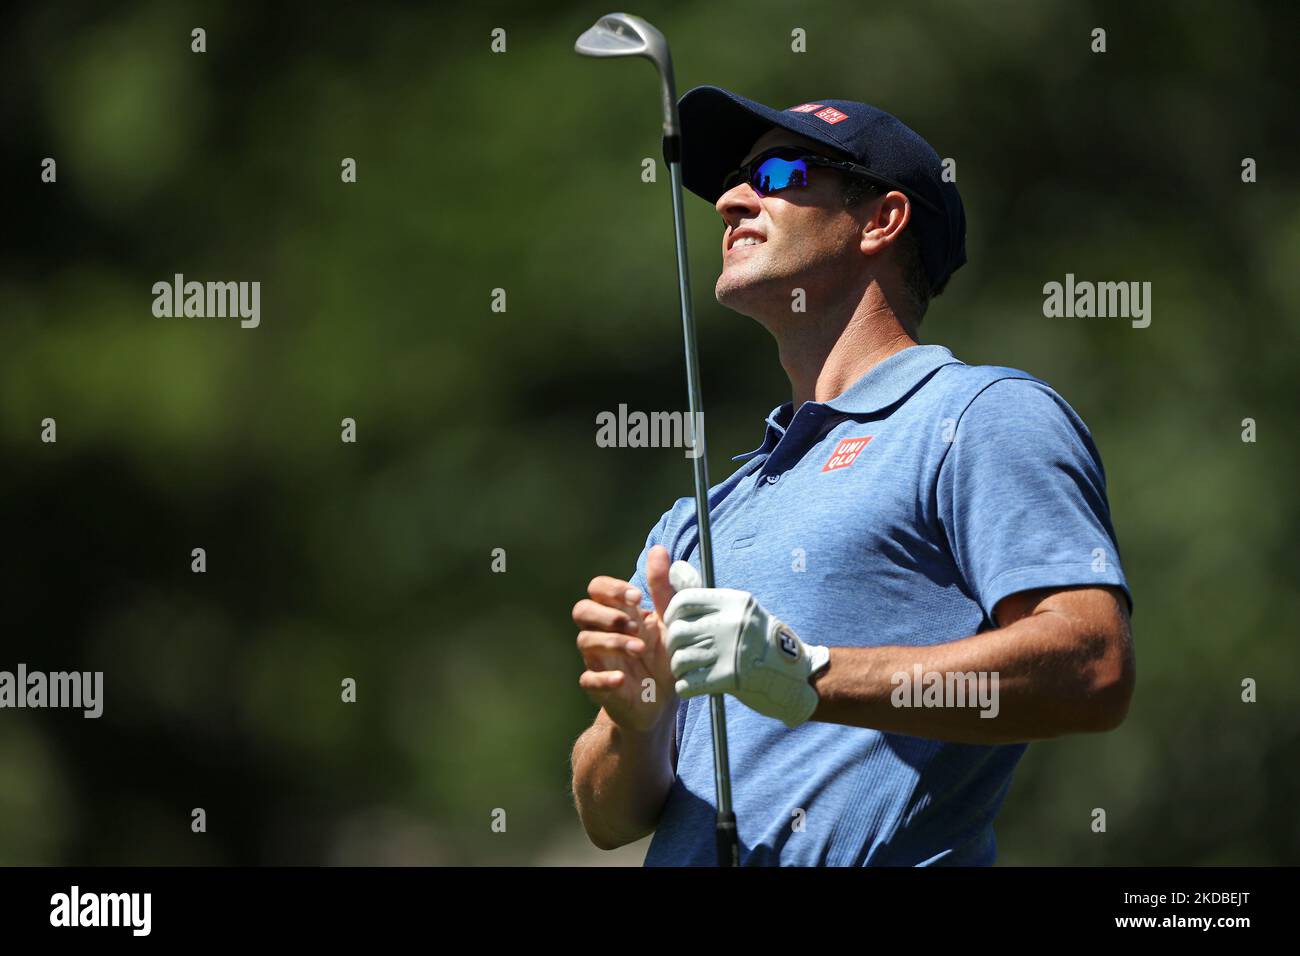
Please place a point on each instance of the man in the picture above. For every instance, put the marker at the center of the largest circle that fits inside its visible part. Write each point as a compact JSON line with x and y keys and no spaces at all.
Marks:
{"x":910,"y":527}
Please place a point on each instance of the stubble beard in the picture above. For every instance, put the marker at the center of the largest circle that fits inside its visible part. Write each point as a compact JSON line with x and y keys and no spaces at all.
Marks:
{"x":761,"y":285}
{"x":755,"y":284}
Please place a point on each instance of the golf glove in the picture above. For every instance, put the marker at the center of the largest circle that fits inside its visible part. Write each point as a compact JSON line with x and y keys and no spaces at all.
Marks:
{"x":721,"y":640}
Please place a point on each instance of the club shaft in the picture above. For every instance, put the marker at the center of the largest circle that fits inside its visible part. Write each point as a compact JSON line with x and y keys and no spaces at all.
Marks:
{"x":727,"y":841}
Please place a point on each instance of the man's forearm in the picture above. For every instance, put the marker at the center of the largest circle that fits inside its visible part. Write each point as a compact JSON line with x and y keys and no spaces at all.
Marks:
{"x":621,"y":779}
{"x":1050,"y":681}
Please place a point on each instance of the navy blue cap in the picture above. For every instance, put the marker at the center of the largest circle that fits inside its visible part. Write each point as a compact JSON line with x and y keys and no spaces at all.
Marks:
{"x":719,"y":128}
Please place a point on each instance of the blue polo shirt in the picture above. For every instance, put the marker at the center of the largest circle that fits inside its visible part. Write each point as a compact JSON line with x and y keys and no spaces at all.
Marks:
{"x":898,"y":513}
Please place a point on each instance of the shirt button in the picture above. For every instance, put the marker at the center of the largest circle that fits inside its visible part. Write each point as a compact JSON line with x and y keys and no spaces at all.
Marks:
{"x":771,"y":479}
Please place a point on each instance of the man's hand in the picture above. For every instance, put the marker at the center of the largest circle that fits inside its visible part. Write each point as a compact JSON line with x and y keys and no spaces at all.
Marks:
{"x":622,"y":645}
{"x":722,"y":641}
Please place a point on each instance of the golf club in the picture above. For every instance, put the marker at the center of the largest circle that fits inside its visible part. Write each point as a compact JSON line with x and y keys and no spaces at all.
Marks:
{"x":621,"y":34}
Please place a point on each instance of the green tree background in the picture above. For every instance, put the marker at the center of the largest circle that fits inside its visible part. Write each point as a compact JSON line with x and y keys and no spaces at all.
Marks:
{"x":476,"y":429}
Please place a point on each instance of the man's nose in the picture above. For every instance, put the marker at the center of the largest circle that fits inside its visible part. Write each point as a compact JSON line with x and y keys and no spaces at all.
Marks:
{"x":738,"y":202}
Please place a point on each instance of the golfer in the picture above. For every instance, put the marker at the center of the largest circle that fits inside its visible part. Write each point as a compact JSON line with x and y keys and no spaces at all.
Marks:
{"x":916,"y":568}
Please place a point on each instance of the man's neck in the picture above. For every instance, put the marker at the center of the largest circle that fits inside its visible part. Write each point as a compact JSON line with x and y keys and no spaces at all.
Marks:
{"x":822,"y":357}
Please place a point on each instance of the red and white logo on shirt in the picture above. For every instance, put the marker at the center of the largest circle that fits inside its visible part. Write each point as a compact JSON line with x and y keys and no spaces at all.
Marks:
{"x":804,"y":108}
{"x":846,"y":453}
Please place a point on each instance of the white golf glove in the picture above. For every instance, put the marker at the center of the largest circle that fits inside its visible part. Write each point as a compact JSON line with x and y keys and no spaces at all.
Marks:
{"x":721,"y":640}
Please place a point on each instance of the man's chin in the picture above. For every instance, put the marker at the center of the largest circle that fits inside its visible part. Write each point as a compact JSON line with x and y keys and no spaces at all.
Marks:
{"x":730,"y":297}
{"x":737,"y":292}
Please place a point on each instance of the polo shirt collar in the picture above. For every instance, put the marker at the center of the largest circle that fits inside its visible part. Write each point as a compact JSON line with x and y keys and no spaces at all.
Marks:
{"x":891,"y":380}
{"x":776,"y":421}
{"x":884,"y":385}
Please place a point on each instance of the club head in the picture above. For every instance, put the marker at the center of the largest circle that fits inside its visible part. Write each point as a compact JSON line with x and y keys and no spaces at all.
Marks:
{"x":622,"y":34}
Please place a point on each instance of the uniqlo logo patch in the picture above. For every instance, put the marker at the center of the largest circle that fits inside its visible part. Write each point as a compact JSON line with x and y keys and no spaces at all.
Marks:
{"x":846,"y":453}
{"x":832,"y":115}
{"x":805,"y":108}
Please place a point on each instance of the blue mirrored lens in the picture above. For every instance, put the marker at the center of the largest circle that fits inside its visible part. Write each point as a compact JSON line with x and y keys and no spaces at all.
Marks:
{"x":776,"y":173}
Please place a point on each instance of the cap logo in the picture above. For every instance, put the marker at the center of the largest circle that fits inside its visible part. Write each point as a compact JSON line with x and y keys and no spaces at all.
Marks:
{"x":832,"y":115}
{"x":805,"y":108}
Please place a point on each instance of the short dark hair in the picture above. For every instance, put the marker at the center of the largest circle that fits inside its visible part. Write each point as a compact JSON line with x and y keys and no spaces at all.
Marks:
{"x":916,"y":283}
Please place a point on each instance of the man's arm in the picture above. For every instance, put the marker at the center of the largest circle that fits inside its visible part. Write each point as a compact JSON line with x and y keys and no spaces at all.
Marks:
{"x":623,"y":764}
{"x":621,"y":779}
{"x":1064,"y":660}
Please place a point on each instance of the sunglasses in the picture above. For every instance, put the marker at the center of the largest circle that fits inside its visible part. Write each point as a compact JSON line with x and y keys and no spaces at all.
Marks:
{"x":786,"y":167}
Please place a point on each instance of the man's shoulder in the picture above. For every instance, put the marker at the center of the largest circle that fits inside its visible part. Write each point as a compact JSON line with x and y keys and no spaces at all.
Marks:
{"x":959,"y":377}
{"x":995,"y":404}
{"x":999,"y":399}
{"x":996,"y":390}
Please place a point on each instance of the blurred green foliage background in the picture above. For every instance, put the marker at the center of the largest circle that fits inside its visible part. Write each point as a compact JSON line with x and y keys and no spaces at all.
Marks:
{"x":476,"y":429}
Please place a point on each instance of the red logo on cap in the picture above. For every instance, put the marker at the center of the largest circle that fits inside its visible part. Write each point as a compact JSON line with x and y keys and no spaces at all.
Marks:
{"x":805,"y":108}
{"x":846,"y":453}
{"x":831,"y":115}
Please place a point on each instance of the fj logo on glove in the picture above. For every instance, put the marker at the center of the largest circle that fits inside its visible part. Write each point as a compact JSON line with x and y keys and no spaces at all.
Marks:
{"x":846,"y":453}
{"x":723,"y":641}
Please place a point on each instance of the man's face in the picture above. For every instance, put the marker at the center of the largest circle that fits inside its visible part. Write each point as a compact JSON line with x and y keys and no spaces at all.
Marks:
{"x":808,"y":239}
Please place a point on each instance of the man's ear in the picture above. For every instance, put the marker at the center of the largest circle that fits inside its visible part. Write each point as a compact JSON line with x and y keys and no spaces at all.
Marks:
{"x":889,"y":217}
